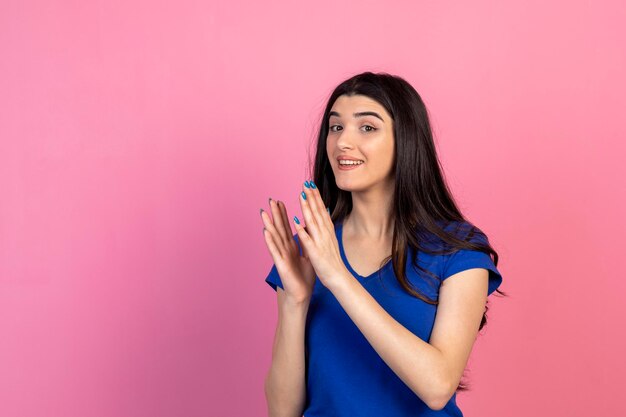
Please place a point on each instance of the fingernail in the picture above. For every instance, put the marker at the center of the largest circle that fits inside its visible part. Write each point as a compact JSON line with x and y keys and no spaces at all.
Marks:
{"x":261,"y":212}
{"x":264,"y":231}
{"x":303,"y":195}
{"x":313,"y":185}
{"x":295,"y":219}
{"x":328,"y":210}
{"x":306,"y":184}
{"x":269,"y":201}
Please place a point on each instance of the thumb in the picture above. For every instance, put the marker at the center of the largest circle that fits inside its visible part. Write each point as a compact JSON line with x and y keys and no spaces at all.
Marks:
{"x":303,"y":237}
{"x":301,"y":247}
{"x":305,"y":254}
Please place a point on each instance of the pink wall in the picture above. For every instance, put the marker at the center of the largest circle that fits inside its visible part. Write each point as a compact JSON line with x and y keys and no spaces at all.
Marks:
{"x":138,"y":141}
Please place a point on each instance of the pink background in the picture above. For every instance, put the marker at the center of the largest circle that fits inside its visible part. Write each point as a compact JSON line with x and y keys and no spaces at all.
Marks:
{"x":138,"y":141}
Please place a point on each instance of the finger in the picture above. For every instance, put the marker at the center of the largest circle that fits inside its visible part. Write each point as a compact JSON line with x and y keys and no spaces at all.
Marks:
{"x":305,"y":254}
{"x":316,"y":207}
{"x":285,"y":217}
{"x":309,"y":219}
{"x":269,"y":227}
{"x":321,"y":208}
{"x":314,"y":204}
{"x":305,"y":239}
{"x":271,"y":245}
{"x":277,"y":220}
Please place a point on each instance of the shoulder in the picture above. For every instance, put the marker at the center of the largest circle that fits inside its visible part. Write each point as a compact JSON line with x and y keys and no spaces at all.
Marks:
{"x":460,"y":229}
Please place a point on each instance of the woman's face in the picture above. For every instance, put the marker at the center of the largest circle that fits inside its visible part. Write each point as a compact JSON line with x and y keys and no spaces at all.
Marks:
{"x":366,"y":137}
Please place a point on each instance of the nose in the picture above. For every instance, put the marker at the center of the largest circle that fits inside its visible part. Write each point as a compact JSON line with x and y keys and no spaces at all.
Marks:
{"x":344,"y":139}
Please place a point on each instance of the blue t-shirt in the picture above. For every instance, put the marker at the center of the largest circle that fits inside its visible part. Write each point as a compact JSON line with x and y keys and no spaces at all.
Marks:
{"x":345,"y":376}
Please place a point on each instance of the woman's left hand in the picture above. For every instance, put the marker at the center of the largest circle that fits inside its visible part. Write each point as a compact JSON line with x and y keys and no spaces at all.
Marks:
{"x":319,"y":238}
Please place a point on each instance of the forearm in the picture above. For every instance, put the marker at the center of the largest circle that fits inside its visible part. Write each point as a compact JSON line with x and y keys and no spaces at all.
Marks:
{"x":285,"y":385}
{"x":418,"y":364}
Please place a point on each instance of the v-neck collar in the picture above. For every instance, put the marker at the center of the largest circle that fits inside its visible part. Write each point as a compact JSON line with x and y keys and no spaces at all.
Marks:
{"x":339,"y":228}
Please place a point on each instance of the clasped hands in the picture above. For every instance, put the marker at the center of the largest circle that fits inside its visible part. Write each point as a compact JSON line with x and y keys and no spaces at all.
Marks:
{"x":320,"y":249}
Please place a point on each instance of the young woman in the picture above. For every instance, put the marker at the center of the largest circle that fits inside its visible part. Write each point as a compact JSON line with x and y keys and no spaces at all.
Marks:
{"x":383,"y":288}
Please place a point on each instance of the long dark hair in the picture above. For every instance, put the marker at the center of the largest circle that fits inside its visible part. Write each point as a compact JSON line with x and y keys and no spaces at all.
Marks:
{"x":422,"y":204}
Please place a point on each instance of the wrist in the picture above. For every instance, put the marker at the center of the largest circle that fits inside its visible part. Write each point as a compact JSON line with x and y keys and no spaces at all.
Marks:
{"x":342,"y":283}
{"x":295,"y":303}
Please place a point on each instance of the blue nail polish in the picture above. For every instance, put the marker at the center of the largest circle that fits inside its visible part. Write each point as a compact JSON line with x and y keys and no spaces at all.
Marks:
{"x":306,"y":184}
{"x":303,"y":195}
{"x":313,"y":185}
{"x":328,"y":210}
{"x":295,"y":218}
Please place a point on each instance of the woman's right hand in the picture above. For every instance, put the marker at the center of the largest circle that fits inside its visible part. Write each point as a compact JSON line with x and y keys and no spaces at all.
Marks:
{"x":296,"y":272}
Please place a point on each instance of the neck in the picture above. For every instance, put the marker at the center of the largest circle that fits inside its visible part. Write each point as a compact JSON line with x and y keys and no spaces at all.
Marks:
{"x":371,"y":214}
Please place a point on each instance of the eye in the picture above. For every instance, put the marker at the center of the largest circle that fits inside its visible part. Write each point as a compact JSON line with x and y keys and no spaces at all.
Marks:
{"x":371,"y":127}
{"x":331,"y":128}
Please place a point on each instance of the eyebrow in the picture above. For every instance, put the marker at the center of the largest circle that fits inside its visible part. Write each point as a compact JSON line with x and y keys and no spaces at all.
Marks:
{"x":359,"y":114}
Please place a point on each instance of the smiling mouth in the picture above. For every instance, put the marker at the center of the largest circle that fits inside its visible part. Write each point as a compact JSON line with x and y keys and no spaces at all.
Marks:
{"x":346,"y":167}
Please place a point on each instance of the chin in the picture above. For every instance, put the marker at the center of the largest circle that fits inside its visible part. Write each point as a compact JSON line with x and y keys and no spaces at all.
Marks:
{"x":349,"y":186}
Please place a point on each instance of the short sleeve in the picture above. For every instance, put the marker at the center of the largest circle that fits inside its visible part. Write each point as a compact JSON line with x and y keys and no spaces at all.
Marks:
{"x":273,"y":278}
{"x":468,"y":259}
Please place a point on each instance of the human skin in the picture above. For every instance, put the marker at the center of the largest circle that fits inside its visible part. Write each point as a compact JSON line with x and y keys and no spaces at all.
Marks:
{"x":432,"y":370}
{"x":285,"y":385}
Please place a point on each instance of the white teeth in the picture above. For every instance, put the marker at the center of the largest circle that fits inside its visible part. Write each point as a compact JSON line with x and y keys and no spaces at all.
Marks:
{"x":348,"y":162}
